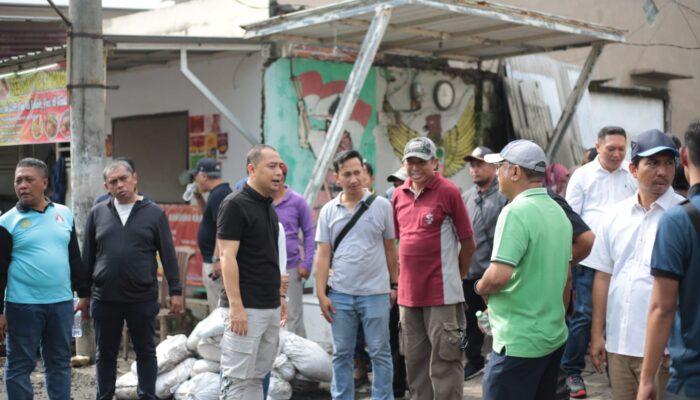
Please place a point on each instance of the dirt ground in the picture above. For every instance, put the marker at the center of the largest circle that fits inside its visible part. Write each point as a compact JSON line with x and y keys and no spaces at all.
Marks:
{"x":84,"y":385}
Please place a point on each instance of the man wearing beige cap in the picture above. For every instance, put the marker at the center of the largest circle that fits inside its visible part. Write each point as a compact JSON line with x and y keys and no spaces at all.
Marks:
{"x":525,"y":280}
{"x":396,"y":179}
{"x":484,"y":203}
{"x":435,"y":252}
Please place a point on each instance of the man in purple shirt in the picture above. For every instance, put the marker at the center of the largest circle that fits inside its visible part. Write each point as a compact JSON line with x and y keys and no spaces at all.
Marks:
{"x":295,"y":215}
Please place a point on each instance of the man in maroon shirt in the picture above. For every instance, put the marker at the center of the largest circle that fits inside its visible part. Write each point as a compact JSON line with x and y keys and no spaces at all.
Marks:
{"x":435,"y":250}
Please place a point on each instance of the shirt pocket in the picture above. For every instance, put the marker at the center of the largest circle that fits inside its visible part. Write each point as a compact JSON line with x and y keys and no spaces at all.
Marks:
{"x":431,"y":218}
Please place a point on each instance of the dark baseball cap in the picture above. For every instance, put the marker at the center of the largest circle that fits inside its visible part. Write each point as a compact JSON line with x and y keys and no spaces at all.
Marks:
{"x":478,"y":154}
{"x":651,"y":142}
{"x":206,"y":165}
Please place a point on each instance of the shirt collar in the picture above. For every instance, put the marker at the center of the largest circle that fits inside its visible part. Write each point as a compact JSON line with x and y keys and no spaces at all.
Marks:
{"x":255,"y":195}
{"x":666,"y":201}
{"x":530,"y":192}
{"x":24,"y":209}
{"x":599,"y":166}
{"x":363,"y":200}
{"x":432,"y":184}
{"x":694,"y":190}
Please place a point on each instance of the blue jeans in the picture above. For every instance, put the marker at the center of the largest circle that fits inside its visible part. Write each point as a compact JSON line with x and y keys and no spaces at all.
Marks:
{"x":574,"y":359}
{"x":373,"y":313}
{"x":34,"y":326}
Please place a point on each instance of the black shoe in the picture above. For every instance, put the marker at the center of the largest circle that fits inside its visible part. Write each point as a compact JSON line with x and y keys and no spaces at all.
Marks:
{"x":472,"y":370}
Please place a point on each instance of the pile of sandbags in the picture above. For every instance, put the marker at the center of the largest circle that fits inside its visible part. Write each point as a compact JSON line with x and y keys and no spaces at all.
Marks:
{"x":189,"y":369}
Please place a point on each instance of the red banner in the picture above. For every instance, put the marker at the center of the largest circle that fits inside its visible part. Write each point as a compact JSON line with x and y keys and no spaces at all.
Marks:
{"x":184,"y":223}
{"x":34,"y":108}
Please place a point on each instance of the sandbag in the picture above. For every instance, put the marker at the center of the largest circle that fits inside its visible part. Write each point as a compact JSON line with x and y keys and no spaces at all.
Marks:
{"x":213,"y":325}
{"x":202,"y":366}
{"x":284,"y":367}
{"x":125,"y":387}
{"x":210,"y":348}
{"x":193,"y":341}
{"x":167,"y":383}
{"x":279,"y":389}
{"x":171,"y":352}
{"x":308,"y":357}
{"x":204,"y":386}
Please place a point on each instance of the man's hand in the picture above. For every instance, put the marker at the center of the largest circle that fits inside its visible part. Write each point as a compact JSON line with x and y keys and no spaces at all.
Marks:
{"x":597,"y":350}
{"x":283,"y":311}
{"x":3,"y":328}
{"x":327,"y":308}
{"x":646,"y":391}
{"x":393,"y":294}
{"x":84,"y":307}
{"x":302,"y":273}
{"x":239,"y":320}
{"x":176,"y":304}
{"x":216,"y":271}
{"x":285,"y":284}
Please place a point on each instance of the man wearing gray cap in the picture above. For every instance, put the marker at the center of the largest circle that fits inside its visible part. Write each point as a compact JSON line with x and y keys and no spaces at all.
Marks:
{"x":435,"y":252}
{"x":484,"y":202}
{"x":621,"y":256}
{"x":525,"y":280}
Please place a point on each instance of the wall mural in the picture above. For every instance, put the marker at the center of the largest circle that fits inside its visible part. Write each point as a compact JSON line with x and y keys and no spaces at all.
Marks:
{"x":302,"y":94}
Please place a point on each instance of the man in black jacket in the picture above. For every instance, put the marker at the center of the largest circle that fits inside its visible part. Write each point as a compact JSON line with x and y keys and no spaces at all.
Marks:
{"x":122,"y":236}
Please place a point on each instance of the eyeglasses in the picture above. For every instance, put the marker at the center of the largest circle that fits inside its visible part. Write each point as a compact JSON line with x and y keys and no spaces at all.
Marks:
{"x":500,"y":164}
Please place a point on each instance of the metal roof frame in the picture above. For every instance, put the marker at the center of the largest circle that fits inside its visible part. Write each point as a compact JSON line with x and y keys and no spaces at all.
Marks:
{"x":131,"y":51}
{"x":440,"y":29}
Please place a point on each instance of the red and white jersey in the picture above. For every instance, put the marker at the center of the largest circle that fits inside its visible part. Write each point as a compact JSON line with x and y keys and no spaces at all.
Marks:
{"x":430,"y":226}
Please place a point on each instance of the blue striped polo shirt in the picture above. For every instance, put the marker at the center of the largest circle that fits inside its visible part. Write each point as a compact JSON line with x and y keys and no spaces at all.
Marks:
{"x":39,"y":271}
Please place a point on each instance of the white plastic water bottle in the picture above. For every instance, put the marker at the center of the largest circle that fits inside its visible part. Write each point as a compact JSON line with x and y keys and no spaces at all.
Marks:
{"x":189,"y":191}
{"x":77,"y":321}
{"x":483,"y":322}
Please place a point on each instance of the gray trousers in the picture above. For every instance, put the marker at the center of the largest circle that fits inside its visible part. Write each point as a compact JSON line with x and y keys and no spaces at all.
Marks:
{"x":295,"y":304}
{"x":245,"y":360}
{"x":213,"y":287}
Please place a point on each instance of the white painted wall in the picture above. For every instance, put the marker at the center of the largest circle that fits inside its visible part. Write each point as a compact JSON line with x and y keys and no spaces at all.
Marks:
{"x":235,"y":80}
{"x":634,"y":114}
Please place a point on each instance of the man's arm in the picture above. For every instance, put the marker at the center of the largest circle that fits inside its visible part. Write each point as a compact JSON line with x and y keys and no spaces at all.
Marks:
{"x":495,"y":278}
{"x":323,"y":262}
{"x":230,"y":272}
{"x":78,"y":275}
{"x":168,"y":257}
{"x":582,"y":246}
{"x":308,"y":229}
{"x":5,"y":258}
{"x":662,"y":311}
{"x":601,"y":284}
{"x":392,"y":262}
{"x":466,"y":252}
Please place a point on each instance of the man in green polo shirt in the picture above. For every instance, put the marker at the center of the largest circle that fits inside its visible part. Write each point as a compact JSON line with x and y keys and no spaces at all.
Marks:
{"x":525,"y":280}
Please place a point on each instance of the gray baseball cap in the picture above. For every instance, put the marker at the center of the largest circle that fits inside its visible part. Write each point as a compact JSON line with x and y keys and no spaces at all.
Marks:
{"x":521,"y":152}
{"x":399,"y":174}
{"x":420,"y":147}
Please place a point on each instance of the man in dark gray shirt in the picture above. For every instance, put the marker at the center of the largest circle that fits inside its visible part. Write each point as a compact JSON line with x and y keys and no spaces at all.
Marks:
{"x":484,"y":203}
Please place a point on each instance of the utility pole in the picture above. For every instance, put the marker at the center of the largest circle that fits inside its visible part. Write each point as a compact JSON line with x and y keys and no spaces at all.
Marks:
{"x":86,"y":69}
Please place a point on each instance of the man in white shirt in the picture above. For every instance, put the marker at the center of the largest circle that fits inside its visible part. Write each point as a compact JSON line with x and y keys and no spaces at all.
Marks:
{"x":621,"y":256}
{"x":592,"y":188}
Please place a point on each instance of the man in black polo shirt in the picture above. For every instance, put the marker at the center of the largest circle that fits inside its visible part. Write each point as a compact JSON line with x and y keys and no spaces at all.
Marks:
{"x":207,"y":174}
{"x":247,"y":232}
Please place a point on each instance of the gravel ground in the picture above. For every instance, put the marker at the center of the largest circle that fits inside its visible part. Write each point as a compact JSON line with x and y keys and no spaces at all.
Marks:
{"x":84,"y":385}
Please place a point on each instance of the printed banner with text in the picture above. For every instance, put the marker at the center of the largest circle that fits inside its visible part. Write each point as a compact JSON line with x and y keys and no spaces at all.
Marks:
{"x":34,"y":108}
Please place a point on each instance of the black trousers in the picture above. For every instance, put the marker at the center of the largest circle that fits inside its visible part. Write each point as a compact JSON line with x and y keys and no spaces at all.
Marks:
{"x":140,"y":319}
{"x":400,"y":384}
{"x":474,"y":335}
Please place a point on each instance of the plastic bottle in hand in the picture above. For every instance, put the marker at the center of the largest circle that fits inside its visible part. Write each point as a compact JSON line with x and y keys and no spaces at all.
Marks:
{"x":77,"y":321}
{"x":483,"y":321}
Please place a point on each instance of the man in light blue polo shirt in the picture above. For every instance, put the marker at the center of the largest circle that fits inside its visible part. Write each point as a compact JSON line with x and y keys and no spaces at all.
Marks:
{"x":39,"y":260}
{"x":674,"y":308}
{"x":363,"y":284}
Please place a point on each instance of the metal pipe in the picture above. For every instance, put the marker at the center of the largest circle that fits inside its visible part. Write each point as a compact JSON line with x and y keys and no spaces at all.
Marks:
{"x":572,"y":102}
{"x":213,"y":99}
{"x":351,"y":93}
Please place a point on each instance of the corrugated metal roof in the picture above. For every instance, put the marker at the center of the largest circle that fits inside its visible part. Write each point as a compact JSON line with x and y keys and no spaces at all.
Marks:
{"x":450,"y":29}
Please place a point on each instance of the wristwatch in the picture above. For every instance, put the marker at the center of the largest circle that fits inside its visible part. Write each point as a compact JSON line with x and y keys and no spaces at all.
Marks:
{"x":215,"y":259}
